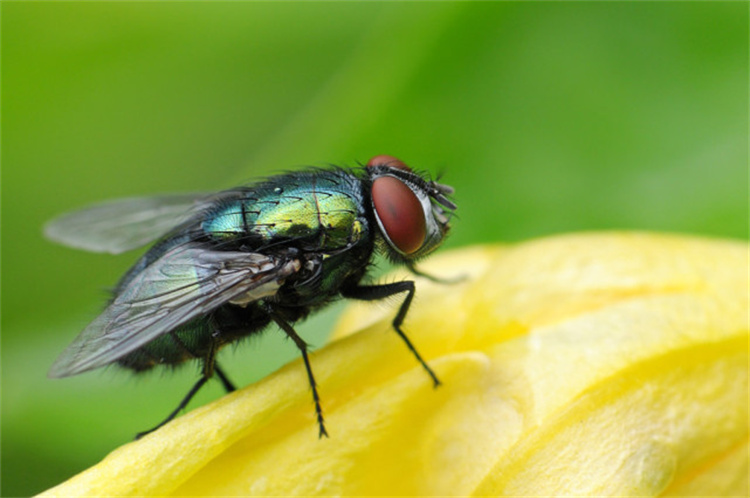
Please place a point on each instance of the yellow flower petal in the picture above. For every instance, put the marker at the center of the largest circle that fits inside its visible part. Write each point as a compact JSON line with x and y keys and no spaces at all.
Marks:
{"x":606,"y":364}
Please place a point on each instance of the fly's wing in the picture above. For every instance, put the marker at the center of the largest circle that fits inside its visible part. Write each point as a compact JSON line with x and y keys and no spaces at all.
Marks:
{"x":124,"y":224}
{"x":186,"y":282}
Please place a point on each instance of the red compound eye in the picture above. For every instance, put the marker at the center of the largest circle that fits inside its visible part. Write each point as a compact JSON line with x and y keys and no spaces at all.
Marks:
{"x":400,"y":213}
{"x":385,"y":160}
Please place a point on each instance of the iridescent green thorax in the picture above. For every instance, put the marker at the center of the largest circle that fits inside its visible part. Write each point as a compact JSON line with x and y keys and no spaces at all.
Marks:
{"x":319,"y":208}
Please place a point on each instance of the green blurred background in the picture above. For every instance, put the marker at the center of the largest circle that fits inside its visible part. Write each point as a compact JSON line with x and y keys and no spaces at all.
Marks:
{"x":546,"y":117}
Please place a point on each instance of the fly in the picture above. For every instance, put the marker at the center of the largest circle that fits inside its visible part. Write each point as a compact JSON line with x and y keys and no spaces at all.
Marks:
{"x":227,"y":265}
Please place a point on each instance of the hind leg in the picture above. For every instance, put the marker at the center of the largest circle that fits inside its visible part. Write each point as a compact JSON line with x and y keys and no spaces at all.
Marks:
{"x":209,"y":368}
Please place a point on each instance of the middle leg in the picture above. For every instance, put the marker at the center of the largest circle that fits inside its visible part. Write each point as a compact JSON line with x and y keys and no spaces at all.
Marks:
{"x":302,"y":346}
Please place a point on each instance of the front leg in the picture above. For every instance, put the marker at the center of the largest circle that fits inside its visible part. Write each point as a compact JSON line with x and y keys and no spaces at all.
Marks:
{"x":433,"y":278}
{"x":377,"y":292}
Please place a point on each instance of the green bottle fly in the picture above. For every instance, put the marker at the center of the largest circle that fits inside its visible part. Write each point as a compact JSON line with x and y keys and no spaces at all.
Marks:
{"x":228,"y":264}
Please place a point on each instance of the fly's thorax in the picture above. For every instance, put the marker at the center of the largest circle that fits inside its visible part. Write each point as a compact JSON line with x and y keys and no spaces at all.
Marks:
{"x":319,"y":210}
{"x":411,"y":211}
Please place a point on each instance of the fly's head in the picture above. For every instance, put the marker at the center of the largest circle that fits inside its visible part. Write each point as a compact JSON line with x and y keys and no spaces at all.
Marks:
{"x":413,"y":212}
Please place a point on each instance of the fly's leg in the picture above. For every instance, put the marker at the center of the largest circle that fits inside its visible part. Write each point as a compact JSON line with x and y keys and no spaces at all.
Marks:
{"x":179,"y":408}
{"x":433,"y":278}
{"x":228,"y":385}
{"x":302,"y":346}
{"x":209,"y":367}
{"x":377,"y":292}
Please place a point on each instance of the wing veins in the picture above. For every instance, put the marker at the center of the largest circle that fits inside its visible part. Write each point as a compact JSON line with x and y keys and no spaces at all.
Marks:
{"x":141,"y":313}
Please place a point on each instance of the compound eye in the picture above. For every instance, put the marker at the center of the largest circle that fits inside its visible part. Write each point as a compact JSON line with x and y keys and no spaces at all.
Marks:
{"x":400,"y":214}
{"x":385,"y":160}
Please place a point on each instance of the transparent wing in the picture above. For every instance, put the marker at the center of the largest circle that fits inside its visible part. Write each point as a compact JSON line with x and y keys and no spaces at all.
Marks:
{"x":124,"y":224}
{"x":185,"y":283}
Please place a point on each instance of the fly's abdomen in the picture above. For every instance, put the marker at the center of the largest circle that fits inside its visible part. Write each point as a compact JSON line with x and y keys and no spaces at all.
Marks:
{"x":185,"y":343}
{"x":320,"y":210}
{"x":198,"y":338}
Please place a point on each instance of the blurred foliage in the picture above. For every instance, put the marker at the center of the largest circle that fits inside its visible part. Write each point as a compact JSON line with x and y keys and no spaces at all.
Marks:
{"x":546,"y":117}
